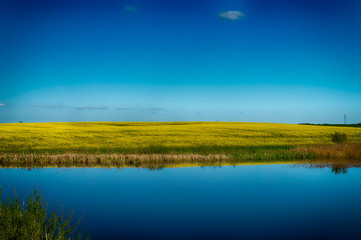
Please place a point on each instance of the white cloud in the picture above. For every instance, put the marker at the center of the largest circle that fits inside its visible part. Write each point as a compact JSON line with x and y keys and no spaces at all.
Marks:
{"x":2,"y":104}
{"x":231,"y":15}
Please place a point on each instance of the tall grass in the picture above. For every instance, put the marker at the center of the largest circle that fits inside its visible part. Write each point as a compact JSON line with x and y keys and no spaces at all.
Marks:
{"x":302,"y":153}
{"x":332,"y":151}
{"x":144,"y":160}
{"x":25,"y":220}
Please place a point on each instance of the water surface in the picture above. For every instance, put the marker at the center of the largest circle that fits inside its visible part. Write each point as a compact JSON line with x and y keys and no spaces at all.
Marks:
{"x":241,"y":202}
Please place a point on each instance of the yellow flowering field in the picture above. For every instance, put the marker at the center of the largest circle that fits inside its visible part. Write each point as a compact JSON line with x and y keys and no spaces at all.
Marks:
{"x":147,"y":137}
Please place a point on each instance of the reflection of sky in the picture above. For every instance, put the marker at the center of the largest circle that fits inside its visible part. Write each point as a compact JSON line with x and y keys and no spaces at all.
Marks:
{"x":266,"y":61}
{"x":243,"y":202}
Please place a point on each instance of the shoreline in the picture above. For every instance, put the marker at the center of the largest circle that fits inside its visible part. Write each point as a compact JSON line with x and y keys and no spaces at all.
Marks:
{"x":334,"y":154}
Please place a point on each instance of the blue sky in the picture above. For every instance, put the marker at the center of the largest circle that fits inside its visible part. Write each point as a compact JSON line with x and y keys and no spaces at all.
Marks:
{"x":180,"y":60}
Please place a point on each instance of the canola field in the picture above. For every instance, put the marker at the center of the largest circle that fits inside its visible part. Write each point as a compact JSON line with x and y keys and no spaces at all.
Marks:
{"x":161,"y":137}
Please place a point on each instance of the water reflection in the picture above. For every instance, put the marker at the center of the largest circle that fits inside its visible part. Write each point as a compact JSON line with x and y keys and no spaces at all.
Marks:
{"x":292,"y":201}
{"x":337,"y":168}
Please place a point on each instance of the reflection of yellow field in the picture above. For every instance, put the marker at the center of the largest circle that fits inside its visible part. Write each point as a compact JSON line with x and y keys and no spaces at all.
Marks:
{"x":157,"y":136}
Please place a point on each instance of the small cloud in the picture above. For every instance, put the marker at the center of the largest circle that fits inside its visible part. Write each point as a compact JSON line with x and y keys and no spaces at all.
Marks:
{"x":47,"y":106}
{"x":2,"y":104}
{"x":231,"y":15}
{"x":90,"y":108}
{"x":129,"y":9}
{"x":122,"y":108}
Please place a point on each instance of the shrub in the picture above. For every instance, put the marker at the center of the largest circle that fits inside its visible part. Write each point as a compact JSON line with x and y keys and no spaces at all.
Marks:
{"x":30,"y":220}
{"x":338,"y":137}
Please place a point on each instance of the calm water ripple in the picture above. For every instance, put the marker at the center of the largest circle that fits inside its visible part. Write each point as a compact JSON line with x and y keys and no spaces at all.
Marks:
{"x":241,"y":202}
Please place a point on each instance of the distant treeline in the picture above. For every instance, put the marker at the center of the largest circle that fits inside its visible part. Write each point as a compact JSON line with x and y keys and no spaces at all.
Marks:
{"x":333,"y":125}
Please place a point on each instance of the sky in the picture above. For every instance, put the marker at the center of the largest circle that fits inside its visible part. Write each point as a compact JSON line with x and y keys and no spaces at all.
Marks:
{"x":282,"y":61}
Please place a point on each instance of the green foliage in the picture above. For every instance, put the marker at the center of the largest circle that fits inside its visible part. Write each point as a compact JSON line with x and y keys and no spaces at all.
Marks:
{"x":338,"y":137}
{"x":29,"y":220}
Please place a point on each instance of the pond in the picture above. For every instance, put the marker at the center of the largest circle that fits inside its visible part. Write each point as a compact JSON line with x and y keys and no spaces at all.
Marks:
{"x":230,"y":202}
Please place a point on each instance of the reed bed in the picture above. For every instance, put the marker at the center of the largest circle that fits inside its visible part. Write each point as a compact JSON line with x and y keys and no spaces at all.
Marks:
{"x":153,"y":161}
{"x":340,"y":151}
{"x":301,"y":154}
{"x":99,"y":158}
{"x":109,"y":160}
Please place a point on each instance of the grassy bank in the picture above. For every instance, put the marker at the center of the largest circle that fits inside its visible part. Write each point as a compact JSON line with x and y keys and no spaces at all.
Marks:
{"x":340,"y":153}
{"x":127,"y":160}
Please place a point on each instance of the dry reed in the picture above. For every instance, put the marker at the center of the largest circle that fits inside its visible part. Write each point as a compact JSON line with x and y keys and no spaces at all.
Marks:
{"x":332,"y":151}
{"x":107,"y":160}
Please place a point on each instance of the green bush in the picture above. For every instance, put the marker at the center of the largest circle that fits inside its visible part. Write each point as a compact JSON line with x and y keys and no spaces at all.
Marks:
{"x":338,"y":137}
{"x":29,"y":220}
